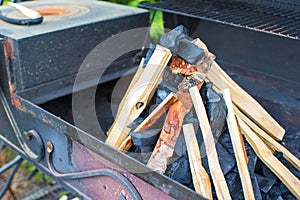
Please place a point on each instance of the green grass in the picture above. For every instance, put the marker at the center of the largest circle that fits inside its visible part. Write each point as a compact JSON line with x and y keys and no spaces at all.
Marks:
{"x":28,"y":168}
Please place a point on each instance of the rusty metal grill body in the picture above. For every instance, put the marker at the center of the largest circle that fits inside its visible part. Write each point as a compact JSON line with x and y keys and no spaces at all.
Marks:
{"x":67,"y":153}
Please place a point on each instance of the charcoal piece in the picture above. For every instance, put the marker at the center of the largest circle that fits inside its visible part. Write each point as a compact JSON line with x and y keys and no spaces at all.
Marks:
{"x":226,"y":160}
{"x":256,"y":189}
{"x":149,"y":54}
{"x":179,"y":44}
{"x":285,"y":193}
{"x":234,"y":185}
{"x":189,"y":51}
{"x":162,"y":93}
{"x":141,"y":153}
{"x":216,"y":110}
{"x":251,"y":163}
{"x":145,"y":138}
{"x":265,"y":184}
{"x":225,"y":140}
{"x":133,"y":125}
{"x":274,"y":193}
{"x":263,"y":170}
{"x":296,"y":173}
{"x":180,"y":171}
{"x":180,"y":146}
{"x":169,"y":84}
{"x":170,"y":39}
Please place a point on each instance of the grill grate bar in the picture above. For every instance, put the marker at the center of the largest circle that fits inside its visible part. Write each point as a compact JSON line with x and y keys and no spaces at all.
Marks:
{"x":273,"y":20}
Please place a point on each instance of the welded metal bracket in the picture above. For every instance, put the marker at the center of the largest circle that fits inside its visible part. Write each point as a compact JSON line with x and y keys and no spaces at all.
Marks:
{"x":32,"y":136}
{"x":92,"y":173}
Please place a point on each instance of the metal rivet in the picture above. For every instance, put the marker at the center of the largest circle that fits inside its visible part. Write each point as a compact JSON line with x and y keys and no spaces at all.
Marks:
{"x":27,"y":135}
{"x":49,"y":147}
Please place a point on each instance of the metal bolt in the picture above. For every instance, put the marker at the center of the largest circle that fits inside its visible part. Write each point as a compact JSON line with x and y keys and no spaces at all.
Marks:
{"x":27,"y":135}
{"x":49,"y":147}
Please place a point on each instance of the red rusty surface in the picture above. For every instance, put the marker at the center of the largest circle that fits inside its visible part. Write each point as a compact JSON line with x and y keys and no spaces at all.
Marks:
{"x":8,"y":49}
{"x":102,"y":187}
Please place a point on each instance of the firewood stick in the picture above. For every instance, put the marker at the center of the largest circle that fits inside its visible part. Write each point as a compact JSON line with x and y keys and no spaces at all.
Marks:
{"x":238,"y":147}
{"x":139,"y":95}
{"x":136,"y":77}
{"x":269,"y":140}
{"x":164,"y":148}
{"x":267,"y":157}
{"x":134,"y":80}
{"x":200,"y":177}
{"x":243,"y":100}
{"x":212,"y":156}
{"x":150,"y":120}
{"x":165,"y":145}
{"x":157,"y":112}
{"x":242,"y":141}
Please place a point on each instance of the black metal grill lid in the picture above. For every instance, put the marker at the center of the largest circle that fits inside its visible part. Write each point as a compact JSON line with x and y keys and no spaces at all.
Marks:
{"x":279,"y":17}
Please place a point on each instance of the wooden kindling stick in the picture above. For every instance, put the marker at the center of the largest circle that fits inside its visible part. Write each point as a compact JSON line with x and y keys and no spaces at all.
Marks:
{"x":238,"y":147}
{"x":150,"y":120}
{"x":200,"y":177}
{"x":194,"y":75}
{"x":267,"y":157}
{"x":243,"y":100}
{"x":212,"y":156}
{"x":135,"y":78}
{"x":164,"y":147}
{"x":269,"y":140}
{"x":139,"y":96}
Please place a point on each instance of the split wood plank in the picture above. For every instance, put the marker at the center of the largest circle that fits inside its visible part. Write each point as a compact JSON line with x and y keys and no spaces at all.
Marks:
{"x":237,"y":144}
{"x":200,"y":177}
{"x":136,"y":77}
{"x":150,"y":120}
{"x":242,"y":99}
{"x":267,"y":157}
{"x":212,"y":156}
{"x":134,"y":80}
{"x":269,"y":140}
{"x":246,"y":102}
{"x":164,"y":147}
{"x":139,"y":95}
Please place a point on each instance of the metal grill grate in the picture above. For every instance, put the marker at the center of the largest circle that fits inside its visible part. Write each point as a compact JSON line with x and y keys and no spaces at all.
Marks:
{"x":270,"y":19}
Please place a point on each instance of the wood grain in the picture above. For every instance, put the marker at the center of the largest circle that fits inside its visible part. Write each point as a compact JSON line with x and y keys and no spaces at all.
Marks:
{"x":238,"y":148}
{"x":200,"y":177}
{"x":150,"y":120}
{"x":212,"y":156}
{"x":267,"y":157}
{"x":139,"y":95}
{"x":245,"y":102}
{"x":269,"y":140}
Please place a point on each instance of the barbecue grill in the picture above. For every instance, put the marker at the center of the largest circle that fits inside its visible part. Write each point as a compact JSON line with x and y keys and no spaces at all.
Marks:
{"x":256,"y":42}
